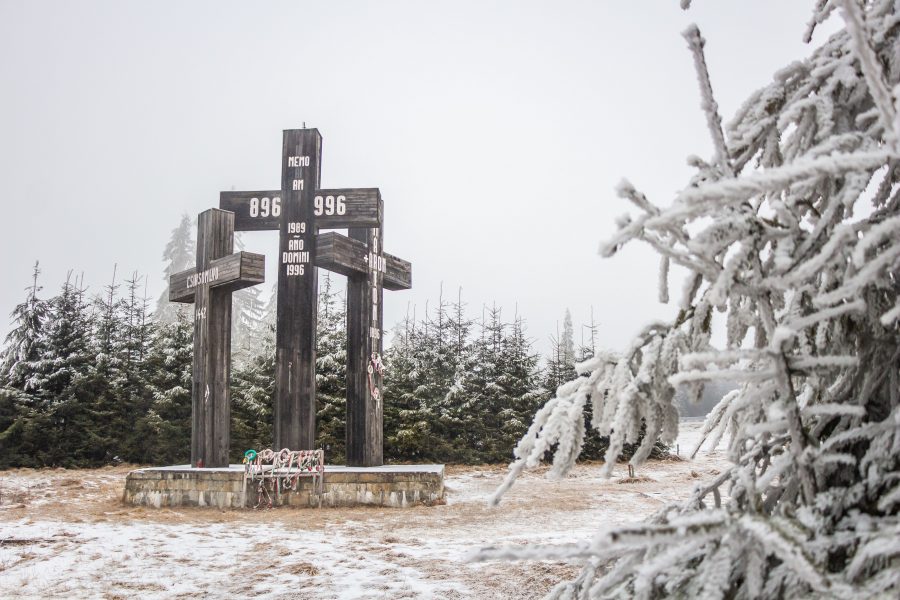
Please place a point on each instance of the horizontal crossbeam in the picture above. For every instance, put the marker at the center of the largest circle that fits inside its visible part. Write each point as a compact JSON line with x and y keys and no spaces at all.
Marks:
{"x":399,"y":273}
{"x":339,"y":253}
{"x":235,"y":271}
{"x":333,"y":209}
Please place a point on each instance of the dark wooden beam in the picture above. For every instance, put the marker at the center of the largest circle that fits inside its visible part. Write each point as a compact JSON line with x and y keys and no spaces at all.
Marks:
{"x":295,"y":334}
{"x":365,"y":408}
{"x":333,"y":209}
{"x":340,"y":254}
{"x":344,"y":255}
{"x":398,"y":275}
{"x":233,"y":272}
{"x":210,"y":393}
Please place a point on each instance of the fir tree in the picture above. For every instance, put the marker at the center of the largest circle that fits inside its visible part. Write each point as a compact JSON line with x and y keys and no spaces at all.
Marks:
{"x":136,"y":331}
{"x":248,"y":314}
{"x":406,"y":423}
{"x":436,"y":369}
{"x":65,"y":413}
{"x":24,"y":343}
{"x":456,"y":417}
{"x":561,"y":361}
{"x":253,"y":402}
{"x":453,"y":397}
{"x":179,"y":255}
{"x":789,"y":236}
{"x":135,"y":395}
{"x":167,"y":421}
{"x":110,"y":370}
{"x":270,"y":310}
{"x":253,"y":387}
{"x":568,"y":341}
{"x":465,"y":418}
{"x":331,"y":373}
{"x":12,"y":421}
{"x":517,"y":378}
{"x":588,"y":347}
{"x":460,"y":326}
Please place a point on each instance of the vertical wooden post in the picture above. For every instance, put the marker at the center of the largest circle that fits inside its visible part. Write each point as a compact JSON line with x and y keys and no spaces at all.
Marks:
{"x":210,"y":394}
{"x":365,"y":409}
{"x":295,"y":338}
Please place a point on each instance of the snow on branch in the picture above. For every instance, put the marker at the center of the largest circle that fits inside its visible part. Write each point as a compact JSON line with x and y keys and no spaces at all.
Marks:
{"x":735,"y":191}
{"x":710,"y":107}
{"x":790,"y":237}
{"x":871,"y":68}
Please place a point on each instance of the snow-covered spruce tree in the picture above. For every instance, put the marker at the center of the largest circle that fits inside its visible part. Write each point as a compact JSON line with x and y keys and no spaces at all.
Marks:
{"x":568,"y":339}
{"x":110,"y":370}
{"x":516,"y":380}
{"x":24,"y":343}
{"x":19,"y":404}
{"x":179,"y":255}
{"x":270,"y":310}
{"x":137,"y":327}
{"x":136,"y":394}
{"x":248,"y":313}
{"x":252,"y":401}
{"x":331,"y":372}
{"x":169,"y":365}
{"x":424,"y":364}
{"x":588,"y":346}
{"x":12,"y":422}
{"x":791,"y":236}
{"x":460,"y":326}
{"x":434,"y":347}
{"x":468,"y":416}
{"x":594,"y":445}
{"x":500,"y":389}
{"x":253,"y":388}
{"x":407,"y":429}
{"x":65,"y":419}
{"x":561,"y":360}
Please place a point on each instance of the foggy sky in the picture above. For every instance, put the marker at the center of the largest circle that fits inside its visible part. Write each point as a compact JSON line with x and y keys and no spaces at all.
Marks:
{"x":495,"y":130}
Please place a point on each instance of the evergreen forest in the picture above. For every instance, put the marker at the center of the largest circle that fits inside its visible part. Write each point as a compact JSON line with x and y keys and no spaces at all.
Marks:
{"x":104,"y":377}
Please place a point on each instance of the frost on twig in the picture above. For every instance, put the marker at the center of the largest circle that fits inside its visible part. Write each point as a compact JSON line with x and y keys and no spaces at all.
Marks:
{"x":791,"y":240}
{"x":871,"y":68}
{"x":710,"y":107}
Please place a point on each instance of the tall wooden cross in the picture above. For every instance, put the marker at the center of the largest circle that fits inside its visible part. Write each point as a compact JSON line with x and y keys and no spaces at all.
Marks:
{"x":298,"y":211}
{"x":209,"y":286}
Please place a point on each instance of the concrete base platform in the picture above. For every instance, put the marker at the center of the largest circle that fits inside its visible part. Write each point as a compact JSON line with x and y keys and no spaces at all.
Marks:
{"x":395,"y":486}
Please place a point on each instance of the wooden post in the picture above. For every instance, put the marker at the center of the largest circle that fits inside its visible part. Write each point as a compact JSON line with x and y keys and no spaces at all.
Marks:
{"x":218,"y":273}
{"x":365,"y":408}
{"x":210,"y":394}
{"x":295,"y":334}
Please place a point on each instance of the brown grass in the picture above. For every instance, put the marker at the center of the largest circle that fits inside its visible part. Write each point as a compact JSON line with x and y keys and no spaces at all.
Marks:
{"x":305,"y":569}
{"x":402,"y":539}
{"x":636,"y":479}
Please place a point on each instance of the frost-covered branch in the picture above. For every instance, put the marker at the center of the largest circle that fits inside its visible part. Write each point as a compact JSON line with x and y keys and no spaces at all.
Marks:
{"x":871,"y":68}
{"x":791,"y":240}
{"x":710,"y":106}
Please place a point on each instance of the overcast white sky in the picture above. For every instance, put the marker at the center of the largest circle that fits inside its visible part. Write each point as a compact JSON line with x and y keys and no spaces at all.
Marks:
{"x":495,"y":130}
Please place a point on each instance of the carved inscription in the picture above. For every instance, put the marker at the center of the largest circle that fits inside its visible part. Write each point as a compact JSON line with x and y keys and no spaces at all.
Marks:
{"x":376,"y":270}
{"x":203,"y":277}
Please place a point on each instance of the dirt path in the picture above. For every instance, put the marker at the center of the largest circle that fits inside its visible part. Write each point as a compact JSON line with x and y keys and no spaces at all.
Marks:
{"x":67,"y":534}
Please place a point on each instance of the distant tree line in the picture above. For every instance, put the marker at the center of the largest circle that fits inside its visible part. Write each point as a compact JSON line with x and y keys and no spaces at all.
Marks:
{"x":92,"y":380}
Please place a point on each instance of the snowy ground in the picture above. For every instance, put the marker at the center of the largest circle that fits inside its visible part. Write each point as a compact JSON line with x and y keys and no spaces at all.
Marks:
{"x":66,"y":534}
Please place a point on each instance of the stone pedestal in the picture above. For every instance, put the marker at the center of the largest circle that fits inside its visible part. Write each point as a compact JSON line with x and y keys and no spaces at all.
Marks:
{"x":398,"y":486}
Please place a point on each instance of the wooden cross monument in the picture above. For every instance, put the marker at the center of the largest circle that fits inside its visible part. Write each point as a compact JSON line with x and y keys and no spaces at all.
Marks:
{"x":298,"y":211}
{"x":209,"y":287}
